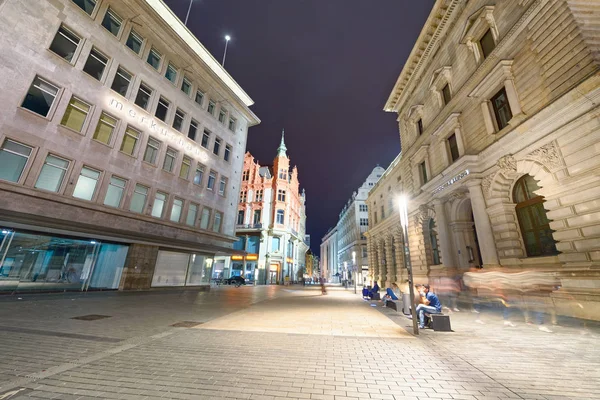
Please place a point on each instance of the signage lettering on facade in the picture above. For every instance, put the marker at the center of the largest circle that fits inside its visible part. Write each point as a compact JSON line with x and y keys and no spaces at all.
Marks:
{"x":451,"y":181}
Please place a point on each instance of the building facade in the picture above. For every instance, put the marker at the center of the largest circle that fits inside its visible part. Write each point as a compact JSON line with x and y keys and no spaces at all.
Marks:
{"x":271,"y":221}
{"x":499,"y":127}
{"x":330,"y":268}
{"x":351,"y":255}
{"x":121,"y":148}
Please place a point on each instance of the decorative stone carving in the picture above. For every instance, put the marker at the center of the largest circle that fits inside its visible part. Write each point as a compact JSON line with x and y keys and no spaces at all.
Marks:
{"x":507,"y":164}
{"x":547,"y":155}
{"x":423,"y":214}
{"x":486,"y":184}
{"x":455,"y":196}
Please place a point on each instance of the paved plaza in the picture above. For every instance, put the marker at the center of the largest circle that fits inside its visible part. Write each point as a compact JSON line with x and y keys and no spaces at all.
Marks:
{"x":278,"y":343}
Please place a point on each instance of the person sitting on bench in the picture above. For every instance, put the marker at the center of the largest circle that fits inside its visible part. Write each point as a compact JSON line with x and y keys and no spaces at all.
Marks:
{"x":391,"y":294}
{"x":374,"y":289}
{"x":430,"y":305}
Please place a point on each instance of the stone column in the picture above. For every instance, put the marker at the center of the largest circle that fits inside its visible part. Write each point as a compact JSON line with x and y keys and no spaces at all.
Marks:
{"x":485,"y":235}
{"x":389,"y":259}
{"x":401,"y":273}
{"x":370,"y":257}
{"x":382,"y":261}
{"x":444,"y":235}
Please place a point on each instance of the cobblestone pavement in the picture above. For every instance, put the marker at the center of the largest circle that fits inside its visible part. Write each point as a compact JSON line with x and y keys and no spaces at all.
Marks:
{"x":278,"y":343}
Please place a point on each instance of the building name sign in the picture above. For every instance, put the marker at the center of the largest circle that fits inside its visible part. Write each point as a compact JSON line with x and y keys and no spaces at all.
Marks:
{"x":451,"y":181}
{"x":151,"y":123}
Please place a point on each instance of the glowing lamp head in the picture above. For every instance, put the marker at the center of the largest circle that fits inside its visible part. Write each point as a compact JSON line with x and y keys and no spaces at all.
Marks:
{"x":403,"y":209}
{"x":227,"y":37}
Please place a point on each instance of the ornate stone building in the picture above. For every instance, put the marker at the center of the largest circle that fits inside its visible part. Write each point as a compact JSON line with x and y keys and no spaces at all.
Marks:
{"x":498,"y":119}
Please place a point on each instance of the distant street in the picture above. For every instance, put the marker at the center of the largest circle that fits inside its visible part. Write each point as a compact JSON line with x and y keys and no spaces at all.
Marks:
{"x":273,"y":342}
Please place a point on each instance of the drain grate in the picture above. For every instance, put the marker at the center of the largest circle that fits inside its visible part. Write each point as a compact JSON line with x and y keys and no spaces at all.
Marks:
{"x":186,"y":324}
{"x":91,"y":317}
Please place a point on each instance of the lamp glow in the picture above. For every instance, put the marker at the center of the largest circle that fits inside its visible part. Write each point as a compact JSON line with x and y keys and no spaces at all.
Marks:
{"x":227,"y":37}
{"x":403,"y":209}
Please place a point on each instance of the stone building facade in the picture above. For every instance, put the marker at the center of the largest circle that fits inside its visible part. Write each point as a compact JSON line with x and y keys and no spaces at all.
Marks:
{"x":122,"y":143}
{"x":330,"y":267}
{"x":498,"y":118}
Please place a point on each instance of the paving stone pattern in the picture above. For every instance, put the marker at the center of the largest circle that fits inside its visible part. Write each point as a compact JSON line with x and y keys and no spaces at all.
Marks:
{"x":318,"y":360}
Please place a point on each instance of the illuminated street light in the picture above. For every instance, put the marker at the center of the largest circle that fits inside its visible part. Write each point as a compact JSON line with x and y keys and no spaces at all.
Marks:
{"x":227,"y":39}
{"x":403,"y":210}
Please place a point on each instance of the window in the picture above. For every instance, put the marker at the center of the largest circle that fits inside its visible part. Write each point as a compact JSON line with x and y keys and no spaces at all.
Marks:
{"x":112,"y":22}
{"x":105,"y":128}
{"x":245,"y":175}
{"x":159,"y":204}
{"x":52,"y":174}
{"x":259,"y":195}
{"x":152,"y":149}
{"x":114,"y":194}
{"x":382,"y":212}
{"x":446,"y":95}
{"x":420,"y":126}
{"x":227,"y":153}
{"x":13,"y":159}
{"x":143,"y":96}
{"x":178,"y":120}
{"x":138,"y":200}
{"x":169,"y":162}
{"x":222,"y":186}
{"x":205,"y":219}
{"x":193,"y":130}
{"x":453,"y":146}
{"x":487,"y":43}
{"x":257,"y":215}
{"x":363,"y":208}
{"x":130,"y":139}
{"x":121,"y":82}
{"x":171,"y":73}
{"x":217,"y":221}
{"x":364,"y":222}
{"x":280,"y":195}
{"x":280,"y":216}
{"x":134,"y":42}
{"x":186,"y":165}
{"x":240,"y":217}
{"x":212,"y":178}
{"x":86,"y":5}
{"x":192,"y":215}
{"x":375,"y":217}
{"x":154,"y":58}
{"x":162,"y":109}
{"x":86,"y":184}
{"x":176,"y":210}
{"x":186,"y":86}
{"x":423,"y":172}
{"x":533,"y":220}
{"x":199,"y":98}
{"x":435,"y":252}
{"x":40,"y":97}
{"x":211,"y":107}
{"x":217,"y":146}
{"x":205,"y":139}
{"x":232,"y":124}
{"x":95,"y":64}
{"x":283,"y":174}
{"x":65,"y":43}
{"x":276,"y":244}
{"x":222,"y":114}
{"x":76,"y":114}
{"x":501,"y":108}
{"x":199,"y":175}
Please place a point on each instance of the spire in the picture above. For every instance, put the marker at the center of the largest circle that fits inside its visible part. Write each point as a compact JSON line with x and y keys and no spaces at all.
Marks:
{"x":282,"y":149}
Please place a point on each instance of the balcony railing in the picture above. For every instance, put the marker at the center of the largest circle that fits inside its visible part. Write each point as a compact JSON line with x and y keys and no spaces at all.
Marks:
{"x":249,"y":226}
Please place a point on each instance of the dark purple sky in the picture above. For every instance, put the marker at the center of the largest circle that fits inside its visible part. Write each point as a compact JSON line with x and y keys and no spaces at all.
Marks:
{"x":321,"y":69}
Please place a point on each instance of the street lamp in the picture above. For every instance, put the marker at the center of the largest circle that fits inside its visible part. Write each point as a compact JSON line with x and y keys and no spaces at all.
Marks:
{"x":355,"y":270}
{"x":227,"y":39}
{"x":403,"y":210}
{"x":188,"y":13}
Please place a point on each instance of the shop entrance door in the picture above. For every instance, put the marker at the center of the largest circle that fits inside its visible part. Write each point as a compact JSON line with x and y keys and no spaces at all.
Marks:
{"x":272,"y":277}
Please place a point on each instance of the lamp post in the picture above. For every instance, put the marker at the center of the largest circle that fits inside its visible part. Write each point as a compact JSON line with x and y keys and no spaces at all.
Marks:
{"x":227,"y":39}
{"x":355,"y":270}
{"x":188,"y":13}
{"x":403,"y":210}
{"x":345,"y":280}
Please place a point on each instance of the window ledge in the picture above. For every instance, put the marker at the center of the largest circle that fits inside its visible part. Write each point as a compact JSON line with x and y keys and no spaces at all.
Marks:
{"x":48,"y":118}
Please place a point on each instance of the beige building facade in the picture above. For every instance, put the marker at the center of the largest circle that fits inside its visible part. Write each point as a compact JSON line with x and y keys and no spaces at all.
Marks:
{"x":500,"y":132}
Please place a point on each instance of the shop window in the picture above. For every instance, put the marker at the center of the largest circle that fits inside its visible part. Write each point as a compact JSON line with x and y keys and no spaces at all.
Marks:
{"x":160,"y":199}
{"x":205,"y":218}
{"x":162,"y":109}
{"x":176,"y":210}
{"x":86,"y":5}
{"x":205,"y":139}
{"x":134,"y":42}
{"x":13,"y":159}
{"x":186,"y":86}
{"x":217,"y":146}
{"x":199,"y":175}
{"x":217,"y":221}
{"x":76,"y":114}
{"x":112,"y":22}
{"x":154,"y":58}
{"x":86,"y":184}
{"x":280,"y":217}
{"x":533,"y":220}
{"x":212,"y":178}
{"x":152,"y":149}
{"x":178,"y":120}
{"x":53,"y":173}
{"x":130,"y":140}
{"x":114,"y":194}
{"x":171,"y":73}
{"x":142,"y":98}
{"x":121,"y":82}
{"x":227,"y":153}
{"x":170,"y":158}
{"x":138,"y":199}
{"x":193,"y":130}
{"x":186,"y":165}
{"x":40,"y":97}
{"x":95,"y":64}
{"x":65,"y":43}
{"x":192,"y":215}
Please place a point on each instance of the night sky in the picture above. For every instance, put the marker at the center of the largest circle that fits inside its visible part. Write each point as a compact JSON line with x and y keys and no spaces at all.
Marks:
{"x":323,"y":70}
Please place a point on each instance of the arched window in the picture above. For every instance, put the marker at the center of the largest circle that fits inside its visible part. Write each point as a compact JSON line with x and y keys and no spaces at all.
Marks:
{"x":435,"y":252}
{"x":535,"y":225}
{"x":280,"y":216}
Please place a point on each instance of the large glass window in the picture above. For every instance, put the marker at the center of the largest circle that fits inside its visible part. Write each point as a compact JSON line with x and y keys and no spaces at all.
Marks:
{"x":178,"y":120}
{"x":105,"y":128}
{"x":52,"y":174}
{"x":134,"y":42}
{"x":86,"y":5}
{"x":159,"y":204}
{"x":112,"y":22}
{"x":205,"y":219}
{"x":162,"y":109}
{"x":502,"y":110}
{"x":40,"y":97}
{"x":487,"y":43}
{"x":212,"y":178}
{"x":176,"y":210}
{"x":186,"y":165}
{"x":13,"y":159}
{"x":65,"y":43}
{"x":95,"y":64}
{"x":171,"y":73}
{"x":192,"y":215}
{"x":86,"y":184}
{"x":121,"y":82}
{"x":253,"y":244}
{"x":154,"y":58}
{"x":217,"y":221}
{"x":76,"y":114}
{"x":130,"y":139}
{"x":533,"y":220}
{"x":114,"y":194}
{"x":143,"y":96}
{"x":138,"y":200}
{"x":170,"y":157}
{"x":280,"y":217}
{"x":152,"y":149}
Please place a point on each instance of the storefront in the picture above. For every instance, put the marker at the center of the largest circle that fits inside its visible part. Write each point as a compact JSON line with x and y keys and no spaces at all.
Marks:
{"x":182,"y":269}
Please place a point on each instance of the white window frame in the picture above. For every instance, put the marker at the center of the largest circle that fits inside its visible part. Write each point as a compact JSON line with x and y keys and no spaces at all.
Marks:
{"x":27,"y":158}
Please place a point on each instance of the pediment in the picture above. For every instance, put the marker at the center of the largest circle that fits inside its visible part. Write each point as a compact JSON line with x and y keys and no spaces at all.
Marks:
{"x":478,"y":23}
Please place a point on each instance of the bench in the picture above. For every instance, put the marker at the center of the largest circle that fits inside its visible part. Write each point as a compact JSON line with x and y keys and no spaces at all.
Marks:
{"x":440,"y":322}
{"x":391,"y":304}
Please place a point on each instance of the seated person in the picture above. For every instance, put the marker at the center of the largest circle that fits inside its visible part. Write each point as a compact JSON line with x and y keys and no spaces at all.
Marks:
{"x":365,"y":291}
{"x":392,"y":293}
{"x":430,"y":305}
{"x":374,"y":289}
